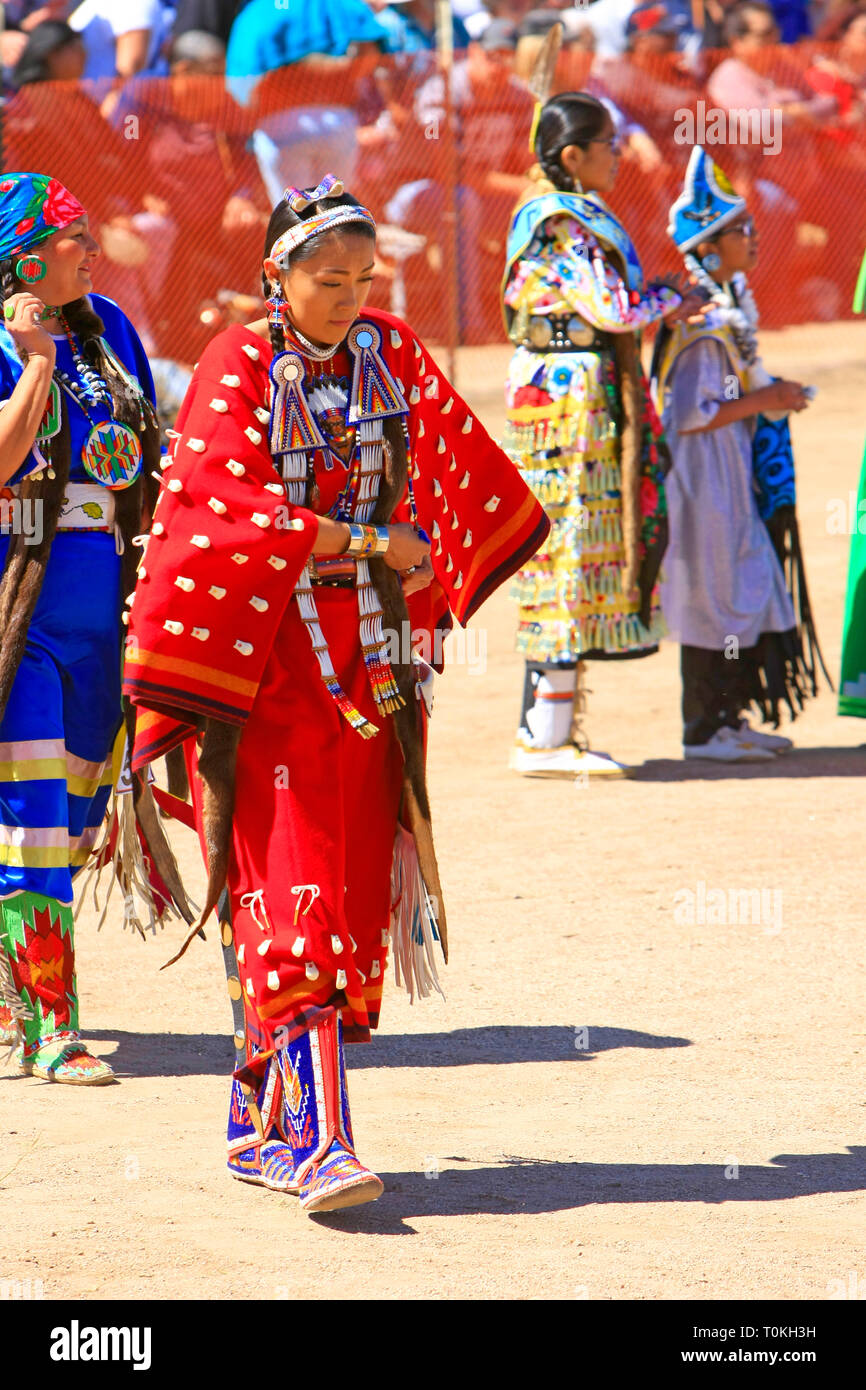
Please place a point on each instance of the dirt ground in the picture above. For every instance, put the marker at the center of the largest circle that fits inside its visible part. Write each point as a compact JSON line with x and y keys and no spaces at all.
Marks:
{"x":616,"y":1101}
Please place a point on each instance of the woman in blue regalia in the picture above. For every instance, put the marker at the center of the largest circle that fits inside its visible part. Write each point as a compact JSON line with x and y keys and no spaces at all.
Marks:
{"x":78,"y":441}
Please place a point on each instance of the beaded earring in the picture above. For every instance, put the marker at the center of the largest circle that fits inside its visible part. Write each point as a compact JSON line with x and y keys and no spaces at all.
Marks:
{"x":30,"y":269}
{"x":711,"y":262}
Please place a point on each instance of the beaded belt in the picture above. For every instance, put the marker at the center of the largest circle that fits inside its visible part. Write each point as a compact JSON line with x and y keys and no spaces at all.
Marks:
{"x":564,"y":333}
{"x":86,"y":507}
{"x":339,"y":572}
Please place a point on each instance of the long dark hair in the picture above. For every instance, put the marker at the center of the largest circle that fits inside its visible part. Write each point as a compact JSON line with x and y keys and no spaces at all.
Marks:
{"x":283,"y":218}
{"x":51,"y":36}
{"x":572,"y":118}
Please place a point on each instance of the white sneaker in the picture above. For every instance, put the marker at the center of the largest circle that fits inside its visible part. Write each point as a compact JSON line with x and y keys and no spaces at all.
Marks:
{"x":775,"y":742}
{"x":728,"y":746}
{"x":600,"y":765}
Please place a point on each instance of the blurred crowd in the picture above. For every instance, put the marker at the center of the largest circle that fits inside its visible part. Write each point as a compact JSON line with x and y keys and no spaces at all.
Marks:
{"x":179,"y":175}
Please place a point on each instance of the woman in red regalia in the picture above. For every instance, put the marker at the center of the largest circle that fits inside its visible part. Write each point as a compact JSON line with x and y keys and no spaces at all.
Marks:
{"x":324,"y":470}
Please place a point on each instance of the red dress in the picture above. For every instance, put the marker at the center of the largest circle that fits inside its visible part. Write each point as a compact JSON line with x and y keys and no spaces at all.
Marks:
{"x":316,"y":805}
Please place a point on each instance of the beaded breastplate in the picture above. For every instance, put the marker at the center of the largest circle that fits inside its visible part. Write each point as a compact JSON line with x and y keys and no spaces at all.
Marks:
{"x":354,"y":429}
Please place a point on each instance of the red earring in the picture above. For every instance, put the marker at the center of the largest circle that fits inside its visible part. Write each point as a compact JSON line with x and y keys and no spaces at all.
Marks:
{"x":30,"y":269}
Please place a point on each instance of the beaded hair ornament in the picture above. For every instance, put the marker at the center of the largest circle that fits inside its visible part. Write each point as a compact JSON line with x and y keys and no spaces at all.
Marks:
{"x":299,"y":199}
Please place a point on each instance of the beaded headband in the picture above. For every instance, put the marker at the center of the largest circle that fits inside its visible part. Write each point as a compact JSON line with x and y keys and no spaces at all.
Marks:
{"x":299,"y":199}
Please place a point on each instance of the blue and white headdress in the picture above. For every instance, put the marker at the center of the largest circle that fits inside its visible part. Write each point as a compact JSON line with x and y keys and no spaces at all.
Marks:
{"x":706,"y":205}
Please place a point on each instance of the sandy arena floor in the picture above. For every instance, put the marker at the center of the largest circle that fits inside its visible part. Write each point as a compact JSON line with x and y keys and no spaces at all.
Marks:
{"x":613,"y":1103}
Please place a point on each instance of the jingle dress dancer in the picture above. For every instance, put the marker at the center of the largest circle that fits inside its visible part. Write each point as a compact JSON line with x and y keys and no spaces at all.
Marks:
{"x":583,"y":430}
{"x":270,"y":634}
{"x":77,"y":423}
{"x":724,"y":596}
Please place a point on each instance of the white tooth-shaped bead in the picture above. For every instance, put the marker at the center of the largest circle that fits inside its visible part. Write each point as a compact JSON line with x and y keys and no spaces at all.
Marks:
{"x":454,"y":522}
{"x":273,"y":980}
{"x":197,"y":445}
{"x":219,"y":405}
{"x":298,"y":947}
{"x":124,"y":618}
{"x":312,"y":971}
{"x":245,"y":648}
{"x":216,"y":591}
{"x":296,"y":525}
{"x":264,"y":946}
{"x":240,"y":558}
{"x":436,"y":532}
{"x":467,"y":425}
{"x":452,"y":467}
{"x":242,"y":950}
{"x":254,"y":436}
{"x":174,"y":485}
{"x":414,"y":396}
{"x":250,"y":989}
{"x":464,"y":481}
{"x":230,"y":380}
{"x":174,"y":628}
{"x":421,"y":429}
{"x":259,"y":604}
{"x":201,"y":633}
{"x":217,"y":506}
{"x":437,"y":488}
{"x":336,"y":945}
{"x":342,"y":981}
{"x":353,"y":943}
{"x":277,"y":488}
{"x":262,"y":415}
{"x":492,"y":503}
{"x":396,"y":340}
{"x":203,"y":542}
{"x":422,"y":367}
{"x":438,"y":550}
{"x":277,"y":561}
{"x":142,"y":572}
{"x":448,"y":406}
{"x":417,"y":349}
{"x":444,"y":506}
{"x":166,"y":461}
{"x":440,"y":447}
{"x":130,"y":599}
{"x":458,"y":582}
{"x":450,"y":565}
{"x":386,"y":937}
{"x":237,"y":468}
{"x":467,"y":539}
{"x":251,"y":351}
{"x":375,"y":970}
{"x":260,"y":519}
{"x":157,"y":529}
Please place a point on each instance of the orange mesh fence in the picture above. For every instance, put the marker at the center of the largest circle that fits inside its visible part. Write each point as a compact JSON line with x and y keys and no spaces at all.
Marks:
{"x":179,"y":181}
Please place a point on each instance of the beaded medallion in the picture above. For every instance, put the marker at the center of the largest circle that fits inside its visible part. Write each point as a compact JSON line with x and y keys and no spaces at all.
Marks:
{"x":112,"y":455}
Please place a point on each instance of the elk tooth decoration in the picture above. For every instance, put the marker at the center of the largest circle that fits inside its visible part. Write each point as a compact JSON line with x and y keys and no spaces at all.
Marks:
{"x":440,"y":447}
{"x":467,"y":425}
{"x":230,"y":380}
{"x":467,"y":539}
{"x":277,"y":561}
{"x":254,"y":436}
{"x":202,"y":633}
{"x":245,"y":648}
{"x":220,"y":406}
{"x":396,"y":340}
{"x":464,"y":481}
{"x":203,"y":542}
{"x":216,"y":592}
{"x":414,"y":395}
{"x":197,"y":445}
{"x":174,"y":485}
{"x":186,"y":584}
{"x":174,"y":628}
{"x":251,"y":352}
{"x":448,"y":406}
{"x":236,"y":468}
{"x":492,"y":503}
{"x":261,"y":605}
{"x":217,"y":506}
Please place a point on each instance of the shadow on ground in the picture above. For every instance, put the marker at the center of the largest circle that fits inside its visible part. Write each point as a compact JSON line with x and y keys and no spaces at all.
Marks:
{"x":801,"y":762}
{"x":519,"y":1186}
{"x":210,"y":1054}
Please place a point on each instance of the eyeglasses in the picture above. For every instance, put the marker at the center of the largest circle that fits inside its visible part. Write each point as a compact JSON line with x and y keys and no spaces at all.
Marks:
{"x":612,"y":140}
{"x":746,"y":228}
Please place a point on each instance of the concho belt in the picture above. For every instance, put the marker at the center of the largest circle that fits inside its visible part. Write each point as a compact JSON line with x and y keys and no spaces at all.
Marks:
{"x":563,"y":333}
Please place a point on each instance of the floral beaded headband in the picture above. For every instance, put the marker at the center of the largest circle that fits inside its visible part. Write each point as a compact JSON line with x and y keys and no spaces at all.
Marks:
{"x":299,"y":199}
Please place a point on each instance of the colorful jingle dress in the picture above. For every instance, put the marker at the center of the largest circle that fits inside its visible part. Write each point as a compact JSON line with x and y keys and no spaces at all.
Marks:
{"x":233,"y":619}
{"x":64,"y":712}
{"x":573,"y":284}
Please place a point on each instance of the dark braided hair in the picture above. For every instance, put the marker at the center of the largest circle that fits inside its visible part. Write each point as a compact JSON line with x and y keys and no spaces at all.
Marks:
{"x":572,"y":118}
{"x":283,"y":218}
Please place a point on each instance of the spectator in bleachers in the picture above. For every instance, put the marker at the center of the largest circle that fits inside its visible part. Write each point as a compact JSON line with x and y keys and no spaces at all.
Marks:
{"x":842,"y":76}
{"x":53,"y":52}
{"x":214,"y":17}
{"x":793,"y":18}
{"x":646,"y":80}
{"x":122,"y":37}
{"x":492,"y":114}
{"x":19,"y":18}
{"x":477,"y":15}
{"x":411,"y":25}
{"x":266,"y":36}
{"x":745,"y":79}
